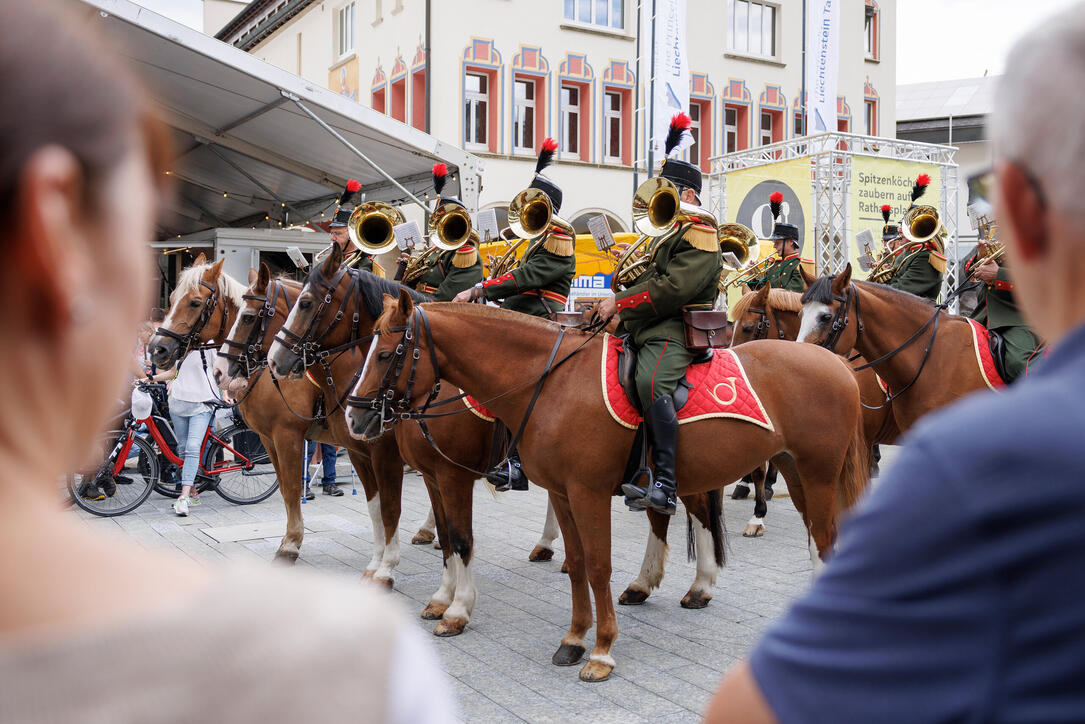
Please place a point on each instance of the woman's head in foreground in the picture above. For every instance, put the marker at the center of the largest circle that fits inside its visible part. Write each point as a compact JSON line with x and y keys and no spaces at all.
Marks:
{"x":81,"y":169}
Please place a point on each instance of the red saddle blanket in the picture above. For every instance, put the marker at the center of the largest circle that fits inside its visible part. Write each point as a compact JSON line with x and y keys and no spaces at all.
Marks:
{"x":720,"y":389}
{"x":984,"y":358}
{"x":478,"y":410}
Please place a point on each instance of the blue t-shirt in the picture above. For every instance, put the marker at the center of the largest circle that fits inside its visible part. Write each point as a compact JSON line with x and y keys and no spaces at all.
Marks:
{"x":957,"y":592}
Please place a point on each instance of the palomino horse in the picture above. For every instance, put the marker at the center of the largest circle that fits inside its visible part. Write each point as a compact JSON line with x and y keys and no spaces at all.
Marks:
{"x":809,"y":395}
{"x":925,"y":356}
{"x":207,"y":302}
{"x":463,"y":447}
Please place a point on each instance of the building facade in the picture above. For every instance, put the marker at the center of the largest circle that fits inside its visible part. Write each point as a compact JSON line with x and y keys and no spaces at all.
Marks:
{"x":502,"y":75}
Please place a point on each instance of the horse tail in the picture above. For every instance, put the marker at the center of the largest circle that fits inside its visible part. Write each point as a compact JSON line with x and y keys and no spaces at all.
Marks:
{"x":717,"y":529}
{"x":855,"y":474}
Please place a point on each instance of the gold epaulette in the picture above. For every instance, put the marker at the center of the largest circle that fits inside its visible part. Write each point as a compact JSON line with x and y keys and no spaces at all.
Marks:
{"x":702,"y":237}
{"x":808,"y":265}
{"x":465,"y":256}
{"x":937,"y":261}
{"x":379,"y":270}
{"x":559,"y":244}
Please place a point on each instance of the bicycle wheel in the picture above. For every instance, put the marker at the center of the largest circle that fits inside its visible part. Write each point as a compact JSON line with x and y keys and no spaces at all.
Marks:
{"x":237,"y":461}
{"x":125,"y":491}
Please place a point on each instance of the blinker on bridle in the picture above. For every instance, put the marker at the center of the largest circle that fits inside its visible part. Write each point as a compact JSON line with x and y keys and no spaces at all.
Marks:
{"x":185,"y":341}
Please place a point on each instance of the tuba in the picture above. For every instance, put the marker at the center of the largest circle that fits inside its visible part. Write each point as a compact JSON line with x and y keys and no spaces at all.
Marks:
{"x":531,"y":218}
{"x":657,"y":207}
{"x":451,"y":224}
{"x":631,"y":264}
{"x":370,"y":227}
{"x":922,"y":224}
{"x":739,"y":240}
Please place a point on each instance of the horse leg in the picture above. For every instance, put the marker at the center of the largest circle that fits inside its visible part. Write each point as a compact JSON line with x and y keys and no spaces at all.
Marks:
{"x":756,"y":527}
{"x":705,"y":532}
{"x":572,"y":646}
{"x":427,"y":531}
{"x":457,"y":498}
{"x":285,"y":454}
{"x":442,"y":599}
{"x":388,"y":472}
{"x":544,"y":549}
{"x":651,"y":568}
{"x":591,"y":515}
{"x":742,"y":488}
{"x":360,"y":461}
{"x":820,"y":506}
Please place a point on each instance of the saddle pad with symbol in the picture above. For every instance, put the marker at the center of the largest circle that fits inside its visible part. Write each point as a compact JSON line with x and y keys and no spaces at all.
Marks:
{"x":986,"y":360}
{"x":720,"y":388}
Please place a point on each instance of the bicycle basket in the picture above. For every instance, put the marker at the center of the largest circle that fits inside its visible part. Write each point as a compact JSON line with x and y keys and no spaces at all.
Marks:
{"x":142,"y":404}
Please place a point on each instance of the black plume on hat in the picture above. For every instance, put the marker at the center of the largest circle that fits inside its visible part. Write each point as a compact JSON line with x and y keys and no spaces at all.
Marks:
{"x":546,"y":154}
{"x":353,"y":187}
{"x":776,"y":202}
{"x":886,"y":210}
{"x":440,"y":177}
{"x":920,"y":186}
{"x":680,"y":124}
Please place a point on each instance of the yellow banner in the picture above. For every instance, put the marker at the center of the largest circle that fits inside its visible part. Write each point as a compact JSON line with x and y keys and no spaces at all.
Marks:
{"x":878,"y":181}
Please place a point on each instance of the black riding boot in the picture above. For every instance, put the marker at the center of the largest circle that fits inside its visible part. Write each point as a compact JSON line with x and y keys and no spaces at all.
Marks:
{"x":663,"y":434}
{"x":509,"y":474}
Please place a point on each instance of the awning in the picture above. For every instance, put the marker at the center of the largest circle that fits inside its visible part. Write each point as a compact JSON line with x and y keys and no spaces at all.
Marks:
{"x":255,"y":141}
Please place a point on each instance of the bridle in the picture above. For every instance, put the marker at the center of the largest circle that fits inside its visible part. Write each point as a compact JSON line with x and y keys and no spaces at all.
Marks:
{"x":761,"y":331}
{"x":308,"y":345}
{"x":393,"y":409}
{"x":251,"y":356}
{"x":840,"y":323}
{"x":186,"y":340}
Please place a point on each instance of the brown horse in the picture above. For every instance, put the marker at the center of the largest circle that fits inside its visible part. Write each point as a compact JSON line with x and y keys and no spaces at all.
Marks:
{"x":924,"y":355}
{"x":463,"y":447}
{"x":809,"y":394}
{"x":207,"y":302}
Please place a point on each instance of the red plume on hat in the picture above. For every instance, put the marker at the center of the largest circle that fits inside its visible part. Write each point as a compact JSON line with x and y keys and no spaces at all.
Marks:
{"x":680,"y":124}
{"x":776,"y":201}
{"x":353,"y":187}
{"x":546,"y":154}
{"x":886,"y":210}
{"x":440,"y":177}
{"x":920,"y":186}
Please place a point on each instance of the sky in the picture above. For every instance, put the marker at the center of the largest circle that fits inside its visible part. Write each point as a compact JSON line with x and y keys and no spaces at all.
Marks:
{"x":936,"y":39}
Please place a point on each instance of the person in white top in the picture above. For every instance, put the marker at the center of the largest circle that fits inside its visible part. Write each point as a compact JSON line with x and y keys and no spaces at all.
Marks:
{"x":191,"y":415}
{"x":83,"y":162}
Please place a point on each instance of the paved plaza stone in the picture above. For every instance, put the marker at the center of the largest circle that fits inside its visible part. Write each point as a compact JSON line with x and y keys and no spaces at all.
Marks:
{"x":669,"y":659}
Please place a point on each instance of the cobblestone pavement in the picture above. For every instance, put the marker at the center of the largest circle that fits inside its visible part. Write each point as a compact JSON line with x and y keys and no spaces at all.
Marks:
{"x":669,"y":659}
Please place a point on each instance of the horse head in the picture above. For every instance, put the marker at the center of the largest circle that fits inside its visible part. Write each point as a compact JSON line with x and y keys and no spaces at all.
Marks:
{"x":197,"y":310}
{"x":750,"y":313}
{"x":396,"y":369}
{"x":829,"y":316}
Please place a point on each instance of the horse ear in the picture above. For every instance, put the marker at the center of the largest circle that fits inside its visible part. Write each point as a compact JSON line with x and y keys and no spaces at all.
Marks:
{"x":406,"y":304}
{"x":332,"y":262}
{"x":252,"y":276}
{"x":807,"y":277}
{"x":216,"y":270}
{"x":263,"y":278}
{"x":842,"y":280}
{"x":200,"y":260}
{"x":763,"y":293}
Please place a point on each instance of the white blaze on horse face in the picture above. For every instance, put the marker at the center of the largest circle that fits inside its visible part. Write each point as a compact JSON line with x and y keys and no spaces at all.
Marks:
{"x":365,"y":367}
{"x":811,"y":312}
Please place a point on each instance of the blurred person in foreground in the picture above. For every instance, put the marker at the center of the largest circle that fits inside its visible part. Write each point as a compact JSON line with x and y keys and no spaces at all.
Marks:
{"x":971,"y":609}
{"x":93,"y":627}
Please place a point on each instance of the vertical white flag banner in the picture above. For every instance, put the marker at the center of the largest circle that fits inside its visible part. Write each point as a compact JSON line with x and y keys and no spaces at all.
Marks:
{"x":671,"y":65}
{"x":822,"y":64}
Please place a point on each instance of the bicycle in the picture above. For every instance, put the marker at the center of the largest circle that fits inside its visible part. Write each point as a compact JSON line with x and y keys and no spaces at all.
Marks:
{"x":232,"y":462}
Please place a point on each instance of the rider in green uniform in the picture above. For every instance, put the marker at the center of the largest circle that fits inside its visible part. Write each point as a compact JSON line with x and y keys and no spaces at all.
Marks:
{"x":450,"y":272}
{"x":538,"y":286}
{"x":786,"y":272}
{"x":683,"y":274}
{"x":919,"y":265}
{"x":338,"y":228}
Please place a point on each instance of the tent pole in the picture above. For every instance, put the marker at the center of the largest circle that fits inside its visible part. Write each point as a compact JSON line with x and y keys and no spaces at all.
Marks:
{"x":355,"y":151}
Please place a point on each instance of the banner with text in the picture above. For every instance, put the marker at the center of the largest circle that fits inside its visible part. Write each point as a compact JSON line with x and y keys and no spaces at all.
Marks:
{"x":671,"y":64}
{"x":878,"y":181}
{"x":822,"y":64}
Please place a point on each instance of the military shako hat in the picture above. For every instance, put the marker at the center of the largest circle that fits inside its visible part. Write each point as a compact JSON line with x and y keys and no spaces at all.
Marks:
{"x":676,"y":170}
{"x":346,"y":207}
{"x":551,"y":189}
{"x":889,"y":231}
{"x":440,"y":179}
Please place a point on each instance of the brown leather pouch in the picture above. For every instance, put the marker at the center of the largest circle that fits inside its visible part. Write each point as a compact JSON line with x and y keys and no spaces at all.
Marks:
{"x":705,"y":329}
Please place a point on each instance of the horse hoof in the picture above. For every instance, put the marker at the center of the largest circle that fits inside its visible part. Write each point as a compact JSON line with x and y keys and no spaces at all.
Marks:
{"x":285,"y":558}
{"x":632,"y":597}
{"x":568,"y":655}
{"x":565,"y":566}
{"x":741,"y":492}
{"x":540,"y":554}
{"x":753,"y":531}
{"x":422,"y":537}
{"x":388,"y":583}
{"x":367,"y":575}
{"x":695,"y":600}
{"x":450,"y":627}
{"x":434,"y":611}
{"x":595,"y":671}
{"x":437,"y":544}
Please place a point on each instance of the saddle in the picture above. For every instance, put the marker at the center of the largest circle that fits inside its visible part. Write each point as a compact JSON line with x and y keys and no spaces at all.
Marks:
{"x":997,"y":344}
{"x":627,"y":368}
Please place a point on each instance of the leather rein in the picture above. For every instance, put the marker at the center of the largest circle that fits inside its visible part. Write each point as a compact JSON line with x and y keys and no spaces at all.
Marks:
{"x":763,"y":323}
{"x":840,"y":322}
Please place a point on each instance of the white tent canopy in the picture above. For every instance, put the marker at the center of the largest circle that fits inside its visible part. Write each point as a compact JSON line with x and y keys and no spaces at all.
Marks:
{"x":256,"y":141}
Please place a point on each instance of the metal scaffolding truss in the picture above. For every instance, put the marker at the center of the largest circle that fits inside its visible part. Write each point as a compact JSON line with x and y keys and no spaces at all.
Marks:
{"x":830,"y":156}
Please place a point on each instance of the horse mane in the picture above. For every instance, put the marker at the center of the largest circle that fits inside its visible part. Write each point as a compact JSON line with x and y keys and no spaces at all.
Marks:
{"x":780,"y":299}
{"x":228,"y":287}
{"x":821,"y":291}
{"x":482,"y":311}
{"x":373,"y":289}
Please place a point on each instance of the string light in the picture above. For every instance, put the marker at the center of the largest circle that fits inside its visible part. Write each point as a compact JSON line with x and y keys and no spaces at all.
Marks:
{"x":169,"y":172}
{"x":267,"y":218}
{"x":223,"y":194}
{"x":282,"y":204}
